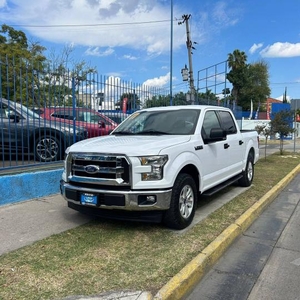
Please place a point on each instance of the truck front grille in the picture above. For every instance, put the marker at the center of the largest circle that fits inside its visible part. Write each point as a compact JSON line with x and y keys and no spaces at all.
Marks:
{"x":99,"y":169}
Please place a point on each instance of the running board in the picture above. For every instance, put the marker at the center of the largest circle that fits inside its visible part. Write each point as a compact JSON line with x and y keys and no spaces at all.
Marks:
{"x":222,"y":185}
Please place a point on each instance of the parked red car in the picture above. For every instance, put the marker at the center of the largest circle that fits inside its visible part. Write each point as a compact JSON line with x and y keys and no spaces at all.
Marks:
{"x":95,"y":123}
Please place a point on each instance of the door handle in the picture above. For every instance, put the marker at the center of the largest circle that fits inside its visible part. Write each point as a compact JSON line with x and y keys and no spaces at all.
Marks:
{"x":226,"y":146}
{"x":241,"y":142}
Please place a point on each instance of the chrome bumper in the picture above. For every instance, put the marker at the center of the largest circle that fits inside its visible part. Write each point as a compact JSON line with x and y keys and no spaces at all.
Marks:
{"x":122,"y":200}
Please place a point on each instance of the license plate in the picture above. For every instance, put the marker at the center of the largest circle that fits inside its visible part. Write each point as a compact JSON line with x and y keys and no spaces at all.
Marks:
{"x":88,"y":199}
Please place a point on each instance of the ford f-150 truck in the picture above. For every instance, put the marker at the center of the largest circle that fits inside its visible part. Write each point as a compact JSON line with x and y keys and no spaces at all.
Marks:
{"x":156,"y":164}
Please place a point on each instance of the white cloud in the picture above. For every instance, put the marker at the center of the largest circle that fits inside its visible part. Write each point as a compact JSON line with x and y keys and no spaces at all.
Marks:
{"x":224,"y":15}
{"x":3,"y":3}
{"x":281,"y":50}
{"x":255,"y":47}
{"x":96,"y":52}
{"x":137,"y":24}
{"x":158,"y":81}
{"x":130,"y":57}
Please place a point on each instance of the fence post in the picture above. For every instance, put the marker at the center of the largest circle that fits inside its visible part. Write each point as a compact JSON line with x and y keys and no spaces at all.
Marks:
{"x":74,"y":109}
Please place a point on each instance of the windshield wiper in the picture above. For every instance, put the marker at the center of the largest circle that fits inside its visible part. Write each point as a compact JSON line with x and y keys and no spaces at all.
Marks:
{"x":154,"y":132}
{"x":124,"y":133}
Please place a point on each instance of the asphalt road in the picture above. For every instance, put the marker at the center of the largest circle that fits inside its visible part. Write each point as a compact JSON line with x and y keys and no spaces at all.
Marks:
{"x":264,"y":262}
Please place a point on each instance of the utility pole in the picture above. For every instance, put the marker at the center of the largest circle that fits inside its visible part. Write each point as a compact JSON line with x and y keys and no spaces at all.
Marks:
{"x":189,"y":46}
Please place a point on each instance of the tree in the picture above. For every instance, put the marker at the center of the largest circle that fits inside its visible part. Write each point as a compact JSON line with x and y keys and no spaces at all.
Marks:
{"x":64,"y":74}
{"x":256,"y":86}
{"x":284,"y":98}
{"x":207,"y":97}
{"x":282,"y":124}
{"x":237,"y":75}
{"x":157,"y":100}
{"x":20,"y":61}
{"x":180,"y":99}
{"x":266,"y":131}
{"x":162,"y":100}
{"x":226,"y":91}
{"x":28,"y":75}
{"x":133,"y":102}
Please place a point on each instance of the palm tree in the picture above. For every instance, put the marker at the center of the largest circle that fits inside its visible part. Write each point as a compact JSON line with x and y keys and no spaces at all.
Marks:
{"x":237,"y":63}
{"x":237,"y":59}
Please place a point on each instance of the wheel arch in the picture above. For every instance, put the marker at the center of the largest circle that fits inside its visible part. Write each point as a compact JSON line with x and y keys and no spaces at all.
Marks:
{"x":193,"y":172}
{"x":46,"y":131}
{"x":252,"y":153}
{"x":51,"y":132}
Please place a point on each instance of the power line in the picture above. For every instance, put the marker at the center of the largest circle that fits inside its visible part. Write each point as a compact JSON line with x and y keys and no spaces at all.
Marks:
{"x":91,"y":25}
{"x":292,"y":82}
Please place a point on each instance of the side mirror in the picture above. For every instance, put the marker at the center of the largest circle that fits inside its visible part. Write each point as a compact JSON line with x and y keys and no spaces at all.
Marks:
{"x":101,"y":124}
{"x":15,"y":118}
{"x":217,"y":134}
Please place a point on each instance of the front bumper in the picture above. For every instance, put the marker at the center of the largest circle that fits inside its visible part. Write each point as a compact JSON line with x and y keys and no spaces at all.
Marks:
{"x":129,"y":200}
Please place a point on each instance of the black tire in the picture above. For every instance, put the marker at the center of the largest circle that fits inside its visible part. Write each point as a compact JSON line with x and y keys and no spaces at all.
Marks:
{"x":248,"y":174}
{"x":47,"y":148}
{"x":183,"y":203}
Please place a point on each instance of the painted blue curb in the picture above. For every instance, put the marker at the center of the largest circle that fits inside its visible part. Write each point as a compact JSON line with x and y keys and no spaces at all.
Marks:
{"x":25,"y":186}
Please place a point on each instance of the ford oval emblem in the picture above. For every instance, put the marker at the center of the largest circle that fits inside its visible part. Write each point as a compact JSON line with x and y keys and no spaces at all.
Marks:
{"x":91,"y":169}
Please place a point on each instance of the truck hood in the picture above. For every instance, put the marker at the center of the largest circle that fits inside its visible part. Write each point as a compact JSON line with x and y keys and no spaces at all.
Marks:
{"x":129,"y":145}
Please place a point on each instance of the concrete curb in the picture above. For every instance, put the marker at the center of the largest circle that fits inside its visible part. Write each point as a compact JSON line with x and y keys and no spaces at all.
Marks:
{"x":192,"y":273}
{"x":25,"y":186}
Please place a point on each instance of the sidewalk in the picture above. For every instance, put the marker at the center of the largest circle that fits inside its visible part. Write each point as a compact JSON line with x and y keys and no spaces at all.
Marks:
{"x":29,"y":221}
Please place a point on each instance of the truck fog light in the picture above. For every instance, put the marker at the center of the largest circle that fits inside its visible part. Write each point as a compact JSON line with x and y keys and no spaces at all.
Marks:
{"x":146,"y":199}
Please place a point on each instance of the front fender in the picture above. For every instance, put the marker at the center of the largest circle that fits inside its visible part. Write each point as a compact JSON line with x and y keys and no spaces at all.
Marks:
{"x":180,"y":162}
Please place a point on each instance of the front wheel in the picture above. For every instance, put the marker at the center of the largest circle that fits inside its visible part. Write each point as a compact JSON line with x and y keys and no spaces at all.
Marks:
{"x":47,"y":148}
{"x":248,"y":174}
{"x":183,"y":203}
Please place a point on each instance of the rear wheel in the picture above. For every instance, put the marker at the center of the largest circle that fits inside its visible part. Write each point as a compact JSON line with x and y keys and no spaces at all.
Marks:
{"x":183,"y":203}
{"x":248,"y":174}
{"x":47,"y":148}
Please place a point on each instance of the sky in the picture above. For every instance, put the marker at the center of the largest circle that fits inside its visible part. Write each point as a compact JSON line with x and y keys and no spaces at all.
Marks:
{"x":131,"y":39}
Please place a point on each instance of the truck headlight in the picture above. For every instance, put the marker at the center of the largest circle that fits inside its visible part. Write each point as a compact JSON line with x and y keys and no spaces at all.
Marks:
{"x":157,"y":163}
{"x":65,"y":157}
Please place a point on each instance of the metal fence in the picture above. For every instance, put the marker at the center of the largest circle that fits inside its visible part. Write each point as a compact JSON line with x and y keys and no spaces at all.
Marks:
{"x":44,"y":109}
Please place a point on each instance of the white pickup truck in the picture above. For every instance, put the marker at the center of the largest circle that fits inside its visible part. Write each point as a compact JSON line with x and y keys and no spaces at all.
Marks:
{"x":156,"y":164}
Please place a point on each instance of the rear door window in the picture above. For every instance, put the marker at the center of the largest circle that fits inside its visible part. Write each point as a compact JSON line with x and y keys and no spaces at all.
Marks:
{"x":227,"y":122}
{"x":63,"y":114}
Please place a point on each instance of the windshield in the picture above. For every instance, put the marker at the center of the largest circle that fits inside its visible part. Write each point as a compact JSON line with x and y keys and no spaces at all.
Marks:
{"x":27,"y":112}
{"x":173,"y":122}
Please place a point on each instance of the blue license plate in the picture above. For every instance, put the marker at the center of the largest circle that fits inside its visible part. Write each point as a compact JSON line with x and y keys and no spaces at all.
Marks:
{"x":88,"y":199}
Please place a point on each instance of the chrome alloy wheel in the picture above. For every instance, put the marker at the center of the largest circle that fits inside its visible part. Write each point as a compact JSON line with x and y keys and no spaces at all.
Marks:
{"x":250,"y":171}
{"x":47,"y":149}
{"x":186,"y":201}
